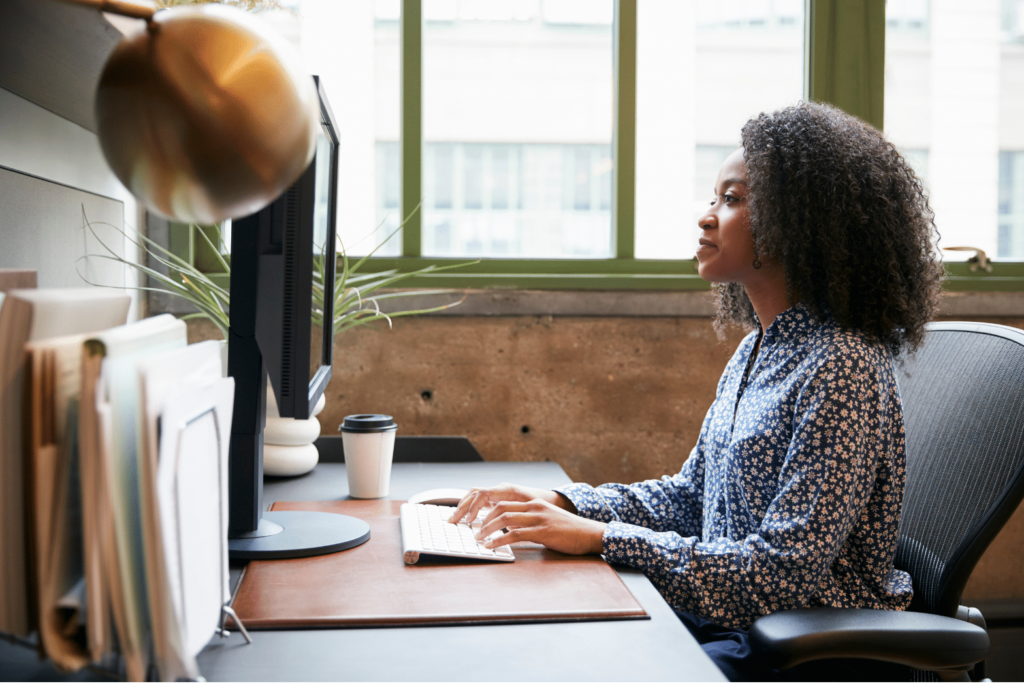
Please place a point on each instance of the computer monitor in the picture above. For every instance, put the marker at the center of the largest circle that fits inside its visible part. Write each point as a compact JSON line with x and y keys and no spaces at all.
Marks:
{"x":273,"y":334}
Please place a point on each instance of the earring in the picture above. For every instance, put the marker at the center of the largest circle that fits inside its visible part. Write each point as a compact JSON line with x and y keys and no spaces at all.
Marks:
{"x":757,"y":261}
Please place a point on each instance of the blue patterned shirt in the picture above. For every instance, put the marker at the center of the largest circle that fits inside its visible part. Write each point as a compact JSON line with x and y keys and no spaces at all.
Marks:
{"x":791,"y":497}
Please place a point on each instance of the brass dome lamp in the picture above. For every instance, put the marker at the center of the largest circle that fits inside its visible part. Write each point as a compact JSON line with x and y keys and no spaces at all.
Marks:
{"x":206,"y":113}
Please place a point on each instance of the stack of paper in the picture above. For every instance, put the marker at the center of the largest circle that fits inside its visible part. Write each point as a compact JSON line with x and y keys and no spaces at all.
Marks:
{"x":162,"y":418}
{"x":28,"y":316}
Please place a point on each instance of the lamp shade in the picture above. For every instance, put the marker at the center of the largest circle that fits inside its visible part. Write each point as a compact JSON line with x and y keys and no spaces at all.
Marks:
{"x":206,"y":114}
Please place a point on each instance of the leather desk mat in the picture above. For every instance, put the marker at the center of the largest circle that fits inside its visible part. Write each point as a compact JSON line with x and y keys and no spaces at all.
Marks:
{"x":371,"y":585}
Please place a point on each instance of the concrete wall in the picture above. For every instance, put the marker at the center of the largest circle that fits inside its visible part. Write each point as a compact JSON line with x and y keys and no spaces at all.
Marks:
{"x":610,"y":399}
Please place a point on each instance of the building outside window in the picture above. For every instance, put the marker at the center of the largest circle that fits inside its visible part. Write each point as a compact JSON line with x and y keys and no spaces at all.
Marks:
{"x":518,"y":109}
{"x":954,"y":95}
{"x":1010,"y":240}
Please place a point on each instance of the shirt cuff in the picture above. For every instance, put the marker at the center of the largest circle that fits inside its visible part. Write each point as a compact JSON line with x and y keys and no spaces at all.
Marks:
{"x":625,"y":543}
{"x":588,"y":502}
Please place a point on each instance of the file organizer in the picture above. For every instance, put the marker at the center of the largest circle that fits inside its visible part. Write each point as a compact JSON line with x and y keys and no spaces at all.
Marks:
{"x":154,"y":608}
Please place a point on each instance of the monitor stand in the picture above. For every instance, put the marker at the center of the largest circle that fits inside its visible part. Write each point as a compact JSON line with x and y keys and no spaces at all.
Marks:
{"x":277,"y":534}
{"x":289,"y":534}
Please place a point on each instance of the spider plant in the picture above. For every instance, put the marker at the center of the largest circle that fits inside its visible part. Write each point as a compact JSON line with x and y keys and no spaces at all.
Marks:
{"x":353,"y":304}
{"x":249,"y":5}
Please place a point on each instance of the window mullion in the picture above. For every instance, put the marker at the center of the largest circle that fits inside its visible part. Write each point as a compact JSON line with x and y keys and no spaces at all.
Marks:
{"x":844,"y":56}
{"x":624,"y":134}
{"x":411,"y":106}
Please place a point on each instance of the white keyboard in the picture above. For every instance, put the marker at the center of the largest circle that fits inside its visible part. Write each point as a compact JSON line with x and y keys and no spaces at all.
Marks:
{"x":425,"y":530}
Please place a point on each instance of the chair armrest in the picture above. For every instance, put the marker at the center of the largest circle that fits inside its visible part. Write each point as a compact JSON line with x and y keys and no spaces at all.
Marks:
{"x":923,"y":641}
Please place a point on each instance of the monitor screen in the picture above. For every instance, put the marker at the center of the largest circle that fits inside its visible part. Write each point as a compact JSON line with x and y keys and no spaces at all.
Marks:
{"x":323,"y":222}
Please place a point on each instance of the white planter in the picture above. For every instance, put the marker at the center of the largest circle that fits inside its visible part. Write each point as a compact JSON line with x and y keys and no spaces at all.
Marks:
{"x":288,"y":443}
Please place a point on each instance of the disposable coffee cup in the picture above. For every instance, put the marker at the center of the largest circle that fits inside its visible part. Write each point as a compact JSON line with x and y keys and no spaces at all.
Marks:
{"x":369,"y":441}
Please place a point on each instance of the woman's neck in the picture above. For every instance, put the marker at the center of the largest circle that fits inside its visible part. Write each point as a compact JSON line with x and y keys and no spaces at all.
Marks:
{"x":767,"y":294}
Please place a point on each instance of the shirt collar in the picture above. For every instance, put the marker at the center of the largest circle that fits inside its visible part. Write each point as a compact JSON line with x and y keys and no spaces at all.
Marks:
{"x":793,"y":323}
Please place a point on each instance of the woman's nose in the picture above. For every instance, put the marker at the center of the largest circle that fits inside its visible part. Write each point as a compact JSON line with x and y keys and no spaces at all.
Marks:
{"x":707,"y":221}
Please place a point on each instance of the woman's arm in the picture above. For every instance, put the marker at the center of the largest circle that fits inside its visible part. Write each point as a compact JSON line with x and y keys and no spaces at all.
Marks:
{"x":672,"y":503}
{"x":572,"y":518}
{"x":532,"y":515}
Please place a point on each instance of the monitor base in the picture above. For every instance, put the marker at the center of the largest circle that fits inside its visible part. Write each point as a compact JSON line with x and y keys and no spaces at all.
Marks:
{"x":300,"y":534}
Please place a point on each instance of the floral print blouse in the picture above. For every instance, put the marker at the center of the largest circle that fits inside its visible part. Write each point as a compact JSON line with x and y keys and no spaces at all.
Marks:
{"x":791,"y":497}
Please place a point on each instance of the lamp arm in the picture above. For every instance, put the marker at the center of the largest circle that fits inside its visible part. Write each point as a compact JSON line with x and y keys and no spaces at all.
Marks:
{"x":125,"y":9}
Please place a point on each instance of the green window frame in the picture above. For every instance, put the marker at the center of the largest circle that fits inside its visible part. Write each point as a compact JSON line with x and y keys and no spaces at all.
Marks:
{"x":844,"y":64}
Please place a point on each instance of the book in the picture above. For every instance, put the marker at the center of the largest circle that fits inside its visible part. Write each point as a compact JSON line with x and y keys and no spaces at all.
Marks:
{"x":109,"y":438}
{"x":28,"y":315}
{"x":52,"y":392}
{"x":12,"y":278}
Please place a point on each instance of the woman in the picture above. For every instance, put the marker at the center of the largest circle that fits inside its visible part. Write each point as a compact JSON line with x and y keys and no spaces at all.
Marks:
{"x":820,"y":238}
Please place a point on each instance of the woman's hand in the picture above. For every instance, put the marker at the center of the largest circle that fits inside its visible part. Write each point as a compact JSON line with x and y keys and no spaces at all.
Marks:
{"x":544,"y":523}
{"x":530,"y":515}
{"x":486,"y":497}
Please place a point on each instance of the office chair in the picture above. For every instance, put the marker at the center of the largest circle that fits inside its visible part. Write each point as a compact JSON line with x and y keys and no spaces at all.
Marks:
{"x":963,"y":402}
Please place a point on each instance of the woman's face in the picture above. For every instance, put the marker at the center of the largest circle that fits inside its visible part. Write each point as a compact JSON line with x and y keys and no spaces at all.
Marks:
{"x":726,"y":252}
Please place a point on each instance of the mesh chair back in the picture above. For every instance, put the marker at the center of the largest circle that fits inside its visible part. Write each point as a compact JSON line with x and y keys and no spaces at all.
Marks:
{"x":963,"y":401}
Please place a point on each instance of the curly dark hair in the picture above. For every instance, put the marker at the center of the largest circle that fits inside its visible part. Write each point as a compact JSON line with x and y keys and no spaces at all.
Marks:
{"x":845,"y":214}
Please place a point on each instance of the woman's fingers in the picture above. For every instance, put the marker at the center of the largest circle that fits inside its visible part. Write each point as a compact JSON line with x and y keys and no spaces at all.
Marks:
{"x":541,"y":522}
{"x":518,"y":535}
{"x":470,"y":505}
{"x":510,"y":515}
{"x":481,"y":497}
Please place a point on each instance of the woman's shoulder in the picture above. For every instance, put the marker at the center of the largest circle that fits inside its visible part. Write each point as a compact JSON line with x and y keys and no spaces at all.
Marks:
{"x":832,"y":348}
{"x":830,"y":339}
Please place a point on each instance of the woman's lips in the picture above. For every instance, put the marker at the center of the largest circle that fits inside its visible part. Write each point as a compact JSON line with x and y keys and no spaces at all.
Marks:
{"x":705,"y":245}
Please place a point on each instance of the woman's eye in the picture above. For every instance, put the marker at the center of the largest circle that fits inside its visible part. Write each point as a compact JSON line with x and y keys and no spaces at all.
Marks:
{"x":729,"y":198}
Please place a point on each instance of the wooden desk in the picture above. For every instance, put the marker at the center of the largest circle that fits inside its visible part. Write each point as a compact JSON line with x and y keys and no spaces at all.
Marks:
{"x":656,"y":650}
{"x":659,"y":649}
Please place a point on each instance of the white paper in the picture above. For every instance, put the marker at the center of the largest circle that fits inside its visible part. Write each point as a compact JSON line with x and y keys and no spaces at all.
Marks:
{"x":163,"y":377}
{"x":192,"y":493}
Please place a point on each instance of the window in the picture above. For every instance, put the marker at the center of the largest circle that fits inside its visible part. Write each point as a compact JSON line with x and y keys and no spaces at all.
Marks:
{"x":1010,"y":239}
{"x":704,"y":68}
{"x":522,"y":151}
{"x":517,"y":102}
{"x":952,"y":104}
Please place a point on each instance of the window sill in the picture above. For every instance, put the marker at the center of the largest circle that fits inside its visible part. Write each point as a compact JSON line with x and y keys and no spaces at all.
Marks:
{"x":654,"y":304}
{"x":699,"y":304}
